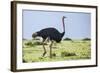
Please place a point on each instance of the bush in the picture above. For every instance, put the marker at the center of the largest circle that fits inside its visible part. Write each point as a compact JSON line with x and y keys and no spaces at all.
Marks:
{"x":39,"y":43}
{"x":54,"y":54}
{"x":35,"y":43}
{"x":24,"y":61}
{"x":24,"y":39}
{"x":29,"y":44}
{"x":64,"y":54}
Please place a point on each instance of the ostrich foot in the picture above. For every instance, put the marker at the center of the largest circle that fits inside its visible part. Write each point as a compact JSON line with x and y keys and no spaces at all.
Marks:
{"x":43,"y":54}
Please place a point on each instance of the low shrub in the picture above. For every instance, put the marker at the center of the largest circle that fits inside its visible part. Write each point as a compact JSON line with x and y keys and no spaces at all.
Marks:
{"x":29,"y":44}
{"x":39,"y":43}
{"x":24,"y":61}
{"x":64,"y":54}
{"x":54,"y":54}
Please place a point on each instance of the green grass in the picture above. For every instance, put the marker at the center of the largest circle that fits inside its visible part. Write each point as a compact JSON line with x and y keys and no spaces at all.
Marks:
{"x":66,"y":50}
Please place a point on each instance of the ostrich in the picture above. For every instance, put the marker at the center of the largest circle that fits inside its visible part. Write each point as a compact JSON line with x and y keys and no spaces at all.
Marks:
{"x":53,"y":35}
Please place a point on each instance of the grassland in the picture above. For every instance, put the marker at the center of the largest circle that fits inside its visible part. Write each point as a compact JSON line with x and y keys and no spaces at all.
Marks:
{"x":66,"y":50}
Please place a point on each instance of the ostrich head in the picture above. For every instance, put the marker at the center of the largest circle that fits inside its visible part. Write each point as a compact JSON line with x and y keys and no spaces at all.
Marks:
{"x":64,"y":17}
{"x":34,"y":35}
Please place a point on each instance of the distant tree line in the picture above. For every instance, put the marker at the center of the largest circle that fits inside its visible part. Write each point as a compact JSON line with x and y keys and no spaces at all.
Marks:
{"x":84,"y":39}
{"x":68,"y":39}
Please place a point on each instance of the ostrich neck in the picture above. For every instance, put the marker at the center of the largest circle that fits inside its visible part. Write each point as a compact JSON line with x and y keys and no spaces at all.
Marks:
{"x":63,"y":24}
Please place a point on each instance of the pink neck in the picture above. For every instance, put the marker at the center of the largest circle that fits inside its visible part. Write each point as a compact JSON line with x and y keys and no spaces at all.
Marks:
{"x":63,"y":24}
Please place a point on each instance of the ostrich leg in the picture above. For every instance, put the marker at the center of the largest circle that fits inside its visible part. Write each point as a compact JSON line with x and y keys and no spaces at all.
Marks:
{"x":44,"y":49}
{"x":51,"y":49}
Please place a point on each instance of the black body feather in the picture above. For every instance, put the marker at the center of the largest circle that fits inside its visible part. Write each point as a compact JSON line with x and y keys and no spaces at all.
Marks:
{"x":51,"y":33}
